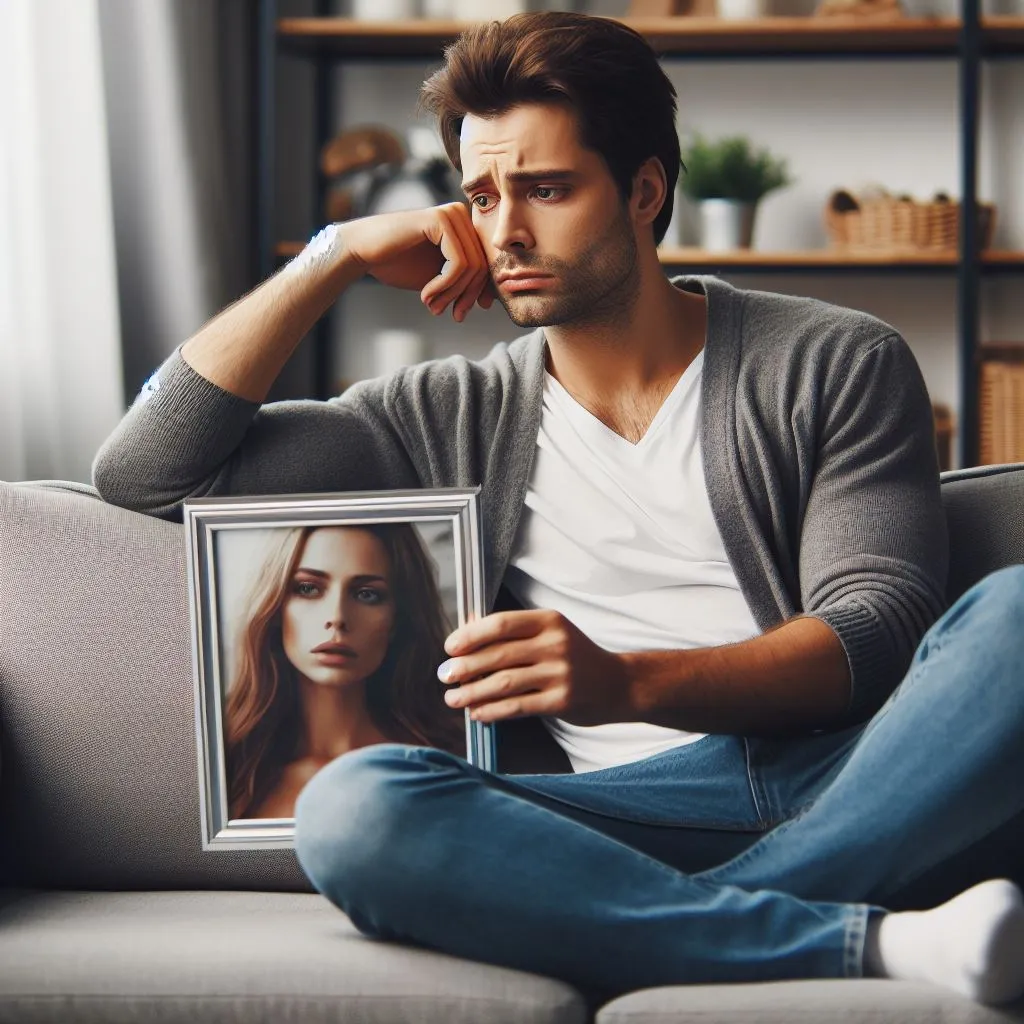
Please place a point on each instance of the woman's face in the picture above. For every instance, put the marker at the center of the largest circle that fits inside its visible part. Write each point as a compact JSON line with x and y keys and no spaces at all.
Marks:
{"x":339,"y":609}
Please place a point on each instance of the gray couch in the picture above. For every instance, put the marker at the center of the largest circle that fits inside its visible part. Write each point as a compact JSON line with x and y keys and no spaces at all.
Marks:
{"x":109,"y":910}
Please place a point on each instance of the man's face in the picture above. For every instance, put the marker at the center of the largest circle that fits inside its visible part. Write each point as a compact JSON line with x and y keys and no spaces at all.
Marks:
{"x":558,"y":236}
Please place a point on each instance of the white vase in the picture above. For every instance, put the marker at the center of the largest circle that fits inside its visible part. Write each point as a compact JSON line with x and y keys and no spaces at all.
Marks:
{"x":384,"y":10}
{"x":726,"y":224}
{"x":740,"y":10}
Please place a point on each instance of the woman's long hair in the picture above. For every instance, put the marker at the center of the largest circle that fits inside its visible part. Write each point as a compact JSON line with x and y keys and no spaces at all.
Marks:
{"x":263,"y":722}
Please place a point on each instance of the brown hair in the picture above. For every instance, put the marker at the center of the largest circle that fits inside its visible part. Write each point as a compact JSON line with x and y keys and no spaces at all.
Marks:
{"x":262,"y":716}
{"x":604,"y":72}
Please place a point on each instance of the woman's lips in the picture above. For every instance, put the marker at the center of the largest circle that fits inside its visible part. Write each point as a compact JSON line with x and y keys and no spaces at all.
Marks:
{"x":334,"y":655}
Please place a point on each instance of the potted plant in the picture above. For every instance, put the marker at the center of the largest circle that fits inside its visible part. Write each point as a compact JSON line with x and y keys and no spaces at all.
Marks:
{"x":727,"y":178}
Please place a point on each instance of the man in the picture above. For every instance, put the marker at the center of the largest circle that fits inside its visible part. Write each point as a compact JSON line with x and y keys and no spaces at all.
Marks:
{"x":719,"y":511}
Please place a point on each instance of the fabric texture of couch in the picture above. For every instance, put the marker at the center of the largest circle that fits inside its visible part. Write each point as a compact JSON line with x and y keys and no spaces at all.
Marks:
{"x":111,"y":912}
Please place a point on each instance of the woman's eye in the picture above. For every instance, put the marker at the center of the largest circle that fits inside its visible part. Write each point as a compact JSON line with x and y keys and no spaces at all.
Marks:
{"x":305,"y":589}
{"x":367,"y":595}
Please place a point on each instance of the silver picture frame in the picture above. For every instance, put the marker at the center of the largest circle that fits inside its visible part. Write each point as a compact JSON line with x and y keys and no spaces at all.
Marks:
{"x":253,"y":607}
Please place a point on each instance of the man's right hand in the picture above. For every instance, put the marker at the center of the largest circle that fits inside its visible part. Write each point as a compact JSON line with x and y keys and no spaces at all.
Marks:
{"x":434,"y":251}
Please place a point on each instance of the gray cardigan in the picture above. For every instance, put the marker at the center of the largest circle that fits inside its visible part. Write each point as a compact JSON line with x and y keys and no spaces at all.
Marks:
{"x":818,"y":447}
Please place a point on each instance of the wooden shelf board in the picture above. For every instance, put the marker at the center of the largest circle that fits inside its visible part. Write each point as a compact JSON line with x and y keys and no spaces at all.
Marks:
{"x":1003,"y":33}
{"x":810,"y":259}
{"x":679,"y":36}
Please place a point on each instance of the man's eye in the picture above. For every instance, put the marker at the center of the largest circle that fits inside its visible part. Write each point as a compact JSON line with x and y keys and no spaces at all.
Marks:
{"x":482,"y":202}
{"x":547,"y":192}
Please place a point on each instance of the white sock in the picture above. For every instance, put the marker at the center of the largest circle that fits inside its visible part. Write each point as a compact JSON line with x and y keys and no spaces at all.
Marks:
{"x":974,"y":944}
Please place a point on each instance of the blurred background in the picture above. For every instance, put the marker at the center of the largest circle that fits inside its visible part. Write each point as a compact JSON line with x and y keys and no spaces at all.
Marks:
{"x":158,"y":158}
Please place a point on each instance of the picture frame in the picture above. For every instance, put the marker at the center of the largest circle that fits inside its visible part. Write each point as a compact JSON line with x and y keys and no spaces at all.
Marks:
{"x":317,"y":626}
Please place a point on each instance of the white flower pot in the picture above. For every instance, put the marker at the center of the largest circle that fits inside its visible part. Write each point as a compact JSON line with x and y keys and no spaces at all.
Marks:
{"x":726,"y":224}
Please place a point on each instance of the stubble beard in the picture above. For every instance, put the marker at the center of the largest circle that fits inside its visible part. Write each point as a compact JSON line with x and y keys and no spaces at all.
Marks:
{"x":597,"y":288}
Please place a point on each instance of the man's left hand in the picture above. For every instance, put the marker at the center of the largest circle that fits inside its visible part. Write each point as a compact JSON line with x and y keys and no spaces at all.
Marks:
{"x":518,"y":663}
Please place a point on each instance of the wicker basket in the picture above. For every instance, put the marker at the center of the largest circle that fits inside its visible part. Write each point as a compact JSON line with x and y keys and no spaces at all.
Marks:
{"x":877,"y":220}
{"x":1002,"y":404}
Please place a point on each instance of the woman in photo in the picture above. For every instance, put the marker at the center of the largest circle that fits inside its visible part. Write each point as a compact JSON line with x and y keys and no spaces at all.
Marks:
{"x":339,"y":649}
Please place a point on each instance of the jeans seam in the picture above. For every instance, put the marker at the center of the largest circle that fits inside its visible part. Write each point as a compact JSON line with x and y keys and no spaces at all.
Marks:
{"x":755,"y":851}
{"x":757,"y":792}
{"x":854,"y":935}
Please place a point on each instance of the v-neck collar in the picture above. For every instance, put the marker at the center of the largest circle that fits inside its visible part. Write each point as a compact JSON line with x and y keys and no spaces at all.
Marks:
{"x":593,"y":425}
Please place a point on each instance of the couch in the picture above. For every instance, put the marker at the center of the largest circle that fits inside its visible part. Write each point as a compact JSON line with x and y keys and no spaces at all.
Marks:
{"x":109,"y":910}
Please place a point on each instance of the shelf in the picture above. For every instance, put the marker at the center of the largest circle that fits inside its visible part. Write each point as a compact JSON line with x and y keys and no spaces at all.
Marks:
{"x":1003,"y":34}
{"x":680,"y":36}
{"x":810,"y":260}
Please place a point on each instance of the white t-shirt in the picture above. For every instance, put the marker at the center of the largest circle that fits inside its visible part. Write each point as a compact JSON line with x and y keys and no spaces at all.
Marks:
{"x":620,"y":539}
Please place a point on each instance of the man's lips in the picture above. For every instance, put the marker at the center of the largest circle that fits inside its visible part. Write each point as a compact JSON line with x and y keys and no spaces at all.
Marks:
{"x":522,"y":280}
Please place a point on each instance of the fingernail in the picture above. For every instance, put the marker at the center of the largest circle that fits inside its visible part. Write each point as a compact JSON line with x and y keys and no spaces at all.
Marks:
{"x":452,"y":698}
{"x":444,"y":671}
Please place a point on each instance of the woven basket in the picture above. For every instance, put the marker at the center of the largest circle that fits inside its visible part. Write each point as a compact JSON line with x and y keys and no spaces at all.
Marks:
{"x":881,"y":221}
{"x":1002,"y":404}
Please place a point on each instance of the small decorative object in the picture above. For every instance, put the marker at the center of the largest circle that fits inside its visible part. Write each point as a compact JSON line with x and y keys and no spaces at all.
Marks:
{"x":374,"y":173}
{"x":488,"y":10}
{"x":883,"y":10}
{"x":384,"y":10}
{"x":671,"y":8}
{"x":874,"y":219}
{"x":337,"y":602}
{"x":741,"y":10}
{"x":727,"y":179}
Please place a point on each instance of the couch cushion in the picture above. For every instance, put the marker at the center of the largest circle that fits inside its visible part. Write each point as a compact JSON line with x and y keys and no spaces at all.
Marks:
{"x":983,"y":516}
{"x":862,"y":1001}
{"x":100,"y":785}
{"x":240,"y":956}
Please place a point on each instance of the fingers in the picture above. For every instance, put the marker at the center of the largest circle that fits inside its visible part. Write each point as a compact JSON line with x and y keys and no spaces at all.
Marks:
{"x":496,"y":627}
{"x":529,"y":689}
{"x":465,"y":273}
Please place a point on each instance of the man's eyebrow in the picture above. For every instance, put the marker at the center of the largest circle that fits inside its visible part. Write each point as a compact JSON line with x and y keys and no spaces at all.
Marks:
{"x":555,"y":174}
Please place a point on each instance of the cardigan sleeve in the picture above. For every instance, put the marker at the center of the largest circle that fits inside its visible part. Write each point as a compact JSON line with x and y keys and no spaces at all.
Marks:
{"x":873,"y":546}
{"x":186,"y":437}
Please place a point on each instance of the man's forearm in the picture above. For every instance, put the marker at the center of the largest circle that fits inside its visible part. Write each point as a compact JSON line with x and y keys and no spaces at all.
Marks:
{"x":244,"y":348}
{"x":791,"y":679}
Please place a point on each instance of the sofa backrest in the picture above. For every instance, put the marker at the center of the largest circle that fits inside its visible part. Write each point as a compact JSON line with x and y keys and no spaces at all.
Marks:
{"x":99,"y":782}
{"x":985,"y":520}
{"x":99,"y":785}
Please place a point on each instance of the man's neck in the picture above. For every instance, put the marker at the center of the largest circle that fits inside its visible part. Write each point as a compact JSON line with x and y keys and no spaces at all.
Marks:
{"x":622,"y":372}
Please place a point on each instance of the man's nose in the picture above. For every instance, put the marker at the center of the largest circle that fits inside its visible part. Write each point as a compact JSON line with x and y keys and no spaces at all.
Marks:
{"x":511,"y":230}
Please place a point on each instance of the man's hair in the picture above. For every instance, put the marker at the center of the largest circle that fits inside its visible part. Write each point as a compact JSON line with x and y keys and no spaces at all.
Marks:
{"x":606,"y":74}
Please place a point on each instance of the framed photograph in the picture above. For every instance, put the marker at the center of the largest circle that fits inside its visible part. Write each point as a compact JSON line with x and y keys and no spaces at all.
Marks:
{"x":318,"y":623}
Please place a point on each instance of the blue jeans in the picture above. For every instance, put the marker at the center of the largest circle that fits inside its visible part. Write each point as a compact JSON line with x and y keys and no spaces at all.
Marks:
{"x":729,"y":859}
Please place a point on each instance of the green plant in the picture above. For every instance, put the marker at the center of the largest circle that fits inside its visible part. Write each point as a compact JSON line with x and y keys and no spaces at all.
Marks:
{"x":730,"y":169}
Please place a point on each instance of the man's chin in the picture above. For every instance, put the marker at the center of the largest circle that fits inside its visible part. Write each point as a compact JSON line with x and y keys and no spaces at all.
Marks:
{"x":531,"y":313}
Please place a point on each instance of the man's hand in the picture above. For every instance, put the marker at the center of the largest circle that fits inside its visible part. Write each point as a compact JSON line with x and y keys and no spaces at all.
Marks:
{"x":517,"y":663}
{"x":435,"y":251}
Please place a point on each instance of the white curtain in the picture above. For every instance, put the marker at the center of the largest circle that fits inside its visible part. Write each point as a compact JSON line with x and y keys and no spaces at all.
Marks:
{"x":60,"y":363}
{"x":178,"y":96}
{"x":125,"y":218}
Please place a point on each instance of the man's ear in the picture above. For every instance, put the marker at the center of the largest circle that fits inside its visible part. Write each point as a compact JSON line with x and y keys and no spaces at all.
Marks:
{"x":649,"y":191}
